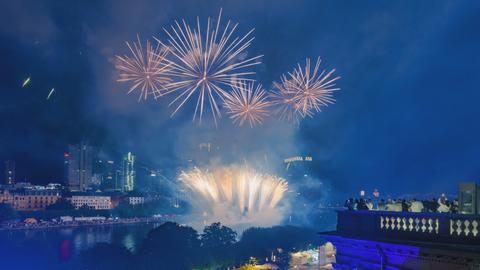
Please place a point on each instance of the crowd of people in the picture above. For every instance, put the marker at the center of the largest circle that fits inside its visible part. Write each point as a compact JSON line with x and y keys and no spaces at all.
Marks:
{"x":440,"y":205}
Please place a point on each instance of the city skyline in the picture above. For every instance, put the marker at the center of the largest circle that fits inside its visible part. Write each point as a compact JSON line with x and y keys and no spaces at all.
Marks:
{"x":394,"y":122}
{"x":241,"y":135}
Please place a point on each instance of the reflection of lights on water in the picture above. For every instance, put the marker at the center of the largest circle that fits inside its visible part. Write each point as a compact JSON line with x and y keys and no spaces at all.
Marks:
{"x":129,"y":242}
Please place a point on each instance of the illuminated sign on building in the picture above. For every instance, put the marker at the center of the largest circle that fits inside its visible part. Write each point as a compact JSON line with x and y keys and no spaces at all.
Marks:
{"x":297,"y":158}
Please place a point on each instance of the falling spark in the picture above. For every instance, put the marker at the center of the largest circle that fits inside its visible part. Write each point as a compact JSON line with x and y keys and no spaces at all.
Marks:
{"x":247,"y":103}
{"x":26,"y":82}
{"x":146,"y":70}
{"x":313,"y":89}
{"x":50,"y":93}
{"x":207,"y":62}
{"x":235,"y":187}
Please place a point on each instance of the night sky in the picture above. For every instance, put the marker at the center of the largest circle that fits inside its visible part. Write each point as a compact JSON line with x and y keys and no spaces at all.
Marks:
{"x":405,"y":121}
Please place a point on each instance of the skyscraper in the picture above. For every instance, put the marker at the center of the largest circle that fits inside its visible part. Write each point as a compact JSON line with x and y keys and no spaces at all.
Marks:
{"x":128,"y":172}
{"x":105,"y":170}
{"x":80,"y":159}
{"x":9,"y":172}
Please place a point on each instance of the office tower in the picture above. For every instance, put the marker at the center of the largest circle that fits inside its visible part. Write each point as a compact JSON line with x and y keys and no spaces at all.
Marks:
{"x":80,"y":159}
{"x":9,"y":172}
{"x":128,"y":172}
{"x":105,"y":170}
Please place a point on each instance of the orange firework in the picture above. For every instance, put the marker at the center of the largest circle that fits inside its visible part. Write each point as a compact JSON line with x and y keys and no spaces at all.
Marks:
{"x":247,"y":103}
{"x":146,"y":70}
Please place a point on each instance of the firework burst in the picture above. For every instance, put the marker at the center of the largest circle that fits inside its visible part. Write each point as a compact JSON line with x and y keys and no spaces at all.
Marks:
{"x":146,"y":69}
{"x":285,"y":102}
{"x":303,"y":92}
{"x":204,"y":63}
{"x":313,"y":88}
{"x":246,"y":103}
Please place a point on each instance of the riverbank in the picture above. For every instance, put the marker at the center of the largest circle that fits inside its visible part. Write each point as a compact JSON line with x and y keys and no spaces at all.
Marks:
{"x":21,"y":225}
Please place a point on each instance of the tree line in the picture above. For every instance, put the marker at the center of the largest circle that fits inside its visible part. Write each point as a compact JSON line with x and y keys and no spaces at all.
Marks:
{"x":173,"y":246}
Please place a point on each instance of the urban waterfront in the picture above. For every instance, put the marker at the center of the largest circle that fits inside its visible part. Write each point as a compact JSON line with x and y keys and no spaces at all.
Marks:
{"x":239,"y":135}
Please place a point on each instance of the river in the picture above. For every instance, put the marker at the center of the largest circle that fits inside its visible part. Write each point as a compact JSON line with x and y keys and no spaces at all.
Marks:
{"x":59,"y":248}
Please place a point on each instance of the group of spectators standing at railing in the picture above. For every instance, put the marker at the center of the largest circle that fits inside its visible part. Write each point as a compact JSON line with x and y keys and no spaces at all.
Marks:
{"x":440,"y":205}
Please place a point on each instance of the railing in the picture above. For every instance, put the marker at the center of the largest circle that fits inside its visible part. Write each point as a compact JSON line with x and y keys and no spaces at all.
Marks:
{"x":408,"y":226}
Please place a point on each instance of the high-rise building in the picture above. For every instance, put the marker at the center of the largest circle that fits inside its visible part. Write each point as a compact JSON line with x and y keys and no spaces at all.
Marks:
{"x":105,"y":172}
{"x":80,"y":161}
{"x":128,"y":172}
{"x":9,"y":172}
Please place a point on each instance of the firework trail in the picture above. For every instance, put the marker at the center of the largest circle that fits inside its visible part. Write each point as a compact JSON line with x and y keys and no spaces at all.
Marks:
{"x":50,"y":93}
{"x":205,"y":62}
{"x":146,"y":69}
{"x":25,"y":82}
{"x":246,"y":103}
{"x":239,"y":188}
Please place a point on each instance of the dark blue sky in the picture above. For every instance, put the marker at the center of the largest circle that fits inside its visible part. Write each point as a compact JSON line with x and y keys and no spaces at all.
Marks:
{"x":405,"y":120}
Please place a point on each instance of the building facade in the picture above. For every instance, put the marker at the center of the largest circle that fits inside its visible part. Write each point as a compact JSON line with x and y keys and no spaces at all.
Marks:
{"x":134,"y":200}
{"x":6,"y":196}
{"x":79,"y":160}
{"x":97,"y":202}
{"x":33,"y":200}
{"x":106,"y":174}
{"x":128,"y":172}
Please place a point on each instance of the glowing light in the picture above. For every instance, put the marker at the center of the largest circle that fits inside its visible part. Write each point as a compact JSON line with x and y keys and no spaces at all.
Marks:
{"x":146,"y":70}
{"x":247,"y":103}
{"x":239,"y":188}
{"x":50,"y":93}
{"x":204,"y":63}
{"x":25,"y":82}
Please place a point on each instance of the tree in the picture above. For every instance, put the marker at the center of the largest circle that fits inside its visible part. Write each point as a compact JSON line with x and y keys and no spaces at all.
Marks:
{"x":171,"y":246}
{"x":218,"y":242}
{"x":7,"y":212}
{"x":261,"y":242}
{"x":61,"y":204}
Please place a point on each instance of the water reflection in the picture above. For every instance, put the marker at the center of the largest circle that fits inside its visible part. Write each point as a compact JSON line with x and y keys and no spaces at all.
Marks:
{"x":58,"y":248}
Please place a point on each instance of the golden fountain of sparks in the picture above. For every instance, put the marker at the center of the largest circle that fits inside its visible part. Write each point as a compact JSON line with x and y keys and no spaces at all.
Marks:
{"x":236,"y":187}
{"x":146,"y":70}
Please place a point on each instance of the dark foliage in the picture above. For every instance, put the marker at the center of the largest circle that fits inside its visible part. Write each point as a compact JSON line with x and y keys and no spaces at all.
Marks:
{"x":107,"y":256}
{"x":176,"y":247}
{"x":170,"y":246}
{"x":61,"y":204}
